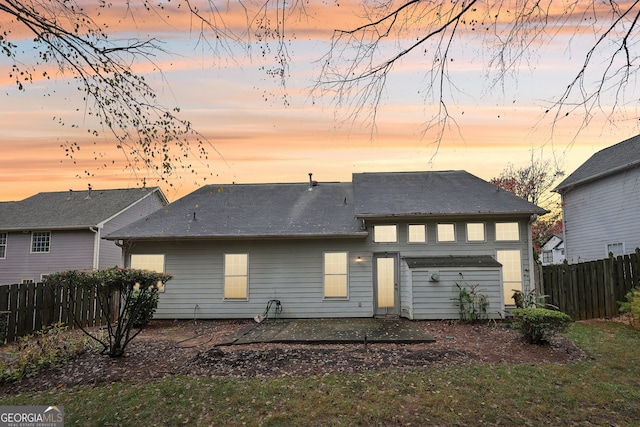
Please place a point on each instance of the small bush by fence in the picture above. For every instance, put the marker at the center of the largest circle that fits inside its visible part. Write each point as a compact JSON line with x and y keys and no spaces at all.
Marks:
{"x":590,"y":290}
{"x":32,"y":306}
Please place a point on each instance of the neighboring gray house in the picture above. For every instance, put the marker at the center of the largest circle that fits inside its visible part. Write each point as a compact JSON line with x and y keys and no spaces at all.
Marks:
{"x":59,"y":231}
{"x":601,"y":204}
{"x":553,"y":251}
{"x":386,"y":244}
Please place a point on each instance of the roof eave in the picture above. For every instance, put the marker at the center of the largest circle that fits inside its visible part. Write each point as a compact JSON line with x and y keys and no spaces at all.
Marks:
{"x":361,"y":234}
{"x":564,"y":188}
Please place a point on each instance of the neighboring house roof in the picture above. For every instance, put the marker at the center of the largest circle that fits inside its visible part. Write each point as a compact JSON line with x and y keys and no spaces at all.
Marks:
{"x":70,"y":209}
{"x":253,"y":210}
{"x":553,"y":242}
{"x":406,"y":194}
{"x":619,"y":157}
{"x":330,"y":209}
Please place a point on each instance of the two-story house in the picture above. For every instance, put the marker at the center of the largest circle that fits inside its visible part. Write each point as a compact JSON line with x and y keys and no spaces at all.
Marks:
{"x":385,"y":244}
{"x":57,"y":231}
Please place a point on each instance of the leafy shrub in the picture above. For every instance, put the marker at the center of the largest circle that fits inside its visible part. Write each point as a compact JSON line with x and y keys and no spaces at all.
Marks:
{"x":123,"y":294}
{"x":146,"y":304}
{"x":539,"y":324}
{"x":42,"y":349}
{"x":632,"y":304}
{"x":473,"y":305}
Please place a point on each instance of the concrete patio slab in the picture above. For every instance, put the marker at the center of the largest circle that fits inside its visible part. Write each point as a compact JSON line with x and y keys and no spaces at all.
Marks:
{"x":330,"y":331}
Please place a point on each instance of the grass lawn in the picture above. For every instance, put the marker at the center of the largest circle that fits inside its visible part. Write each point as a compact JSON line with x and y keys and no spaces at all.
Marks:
{"x":602,"y":391}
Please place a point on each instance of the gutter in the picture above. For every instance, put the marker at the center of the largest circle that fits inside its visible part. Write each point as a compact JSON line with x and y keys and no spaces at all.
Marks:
{"x":96,"y":246}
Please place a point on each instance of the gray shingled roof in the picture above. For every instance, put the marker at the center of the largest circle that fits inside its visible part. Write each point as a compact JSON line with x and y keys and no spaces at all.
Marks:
{"x":407,"y":194}
{"x":329,"y":210}
{"x":617,"y":158}
{"x":253,"y":210}
{"x":69,"y":209}
{"x":452,"y":261}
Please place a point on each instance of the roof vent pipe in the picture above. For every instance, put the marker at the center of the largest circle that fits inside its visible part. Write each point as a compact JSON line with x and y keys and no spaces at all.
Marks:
{"x":89,"y":194}
{"x":310,"y":181}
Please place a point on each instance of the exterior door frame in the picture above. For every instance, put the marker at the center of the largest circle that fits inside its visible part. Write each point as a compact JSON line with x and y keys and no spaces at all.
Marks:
{"x":393,"y":310}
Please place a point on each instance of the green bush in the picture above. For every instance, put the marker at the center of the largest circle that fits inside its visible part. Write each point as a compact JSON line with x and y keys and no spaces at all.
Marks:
{"x":539,"y":324}
{"x":142,"y":308}
{"x":124,"y":296}
{"x":632,"y":305}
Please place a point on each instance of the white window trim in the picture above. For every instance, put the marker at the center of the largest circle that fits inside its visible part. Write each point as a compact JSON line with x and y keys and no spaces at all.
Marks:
{"x":31,"y":243}
{"x":5,"y":245}
{"x":324,"y":276}
{"x":606,"y":249}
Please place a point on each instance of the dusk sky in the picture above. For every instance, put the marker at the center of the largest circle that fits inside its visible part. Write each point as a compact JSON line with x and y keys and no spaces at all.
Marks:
{"x":239,"y":108}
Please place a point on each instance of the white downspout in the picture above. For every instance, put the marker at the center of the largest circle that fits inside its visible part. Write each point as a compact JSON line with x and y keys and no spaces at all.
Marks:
{"x":96,"y":246}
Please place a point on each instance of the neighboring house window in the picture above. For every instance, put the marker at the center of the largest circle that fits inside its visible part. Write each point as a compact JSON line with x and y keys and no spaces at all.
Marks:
{"x":335,"y":274}
{"x":151,"y":262}
{"x":385,"y":233}
{"x":3,"y":245}
{"x":547,"y":257}
{"x":417,"y":233}
{"x":236,"y":276}
{"x":507,"y":231}
{"x":617,"y":249}
{"x":475,"y":232}
{"x":511,"y":273}
{"x":446,"y":233}
{"x":40,"y":241}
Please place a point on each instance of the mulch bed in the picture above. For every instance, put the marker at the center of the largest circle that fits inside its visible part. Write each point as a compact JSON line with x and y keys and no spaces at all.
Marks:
{"x":168,"y":348}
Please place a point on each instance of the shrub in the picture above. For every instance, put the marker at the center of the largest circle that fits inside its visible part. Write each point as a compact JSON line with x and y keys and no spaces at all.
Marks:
{"x":473,"y":305}
{"x":146,"y":304}
{"x":123,"y":294}
{"x":531,"y":299}
{"x":42,"y":349}
{"x":632,"y":304}
{"x":539,"y":324}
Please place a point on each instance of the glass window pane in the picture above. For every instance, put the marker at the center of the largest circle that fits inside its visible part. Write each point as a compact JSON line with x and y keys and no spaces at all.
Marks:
{"x":417,"y":233}
{"x":507,"y":231}
{"x":475,"y":232}
{"x":3,"y":245}
{"x":150,"y":262}
{"x":385,"y":233}
{"x":40,"y":241}
{"x":235,"y":276}
{"x":446,"y":233}
{"x":335,"y":274}
{"x":511,"y":273}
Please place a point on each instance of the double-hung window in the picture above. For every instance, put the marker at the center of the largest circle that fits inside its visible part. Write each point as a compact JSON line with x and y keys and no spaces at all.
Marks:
{"x":236,"y":276}
{"x":507,"y":231}
{"x":385,"y":233}
{"x":336,"y":274}
{"x":417,"y":233}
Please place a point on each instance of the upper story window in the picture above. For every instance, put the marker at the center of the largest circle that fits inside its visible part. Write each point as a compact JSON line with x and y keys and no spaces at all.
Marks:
{"x":507,"y":231}
{"x":547,"y":257}
{"x":385,"y":233}
{"x":475,"y":232}
{"x":236,"y":276}
{"x":40,"y":241}
{"x":417,"y":233}
{"x":446,"y":233}
{"x":3,"y":245}
{"x":336,"y":274}
{"x":150,"y":262}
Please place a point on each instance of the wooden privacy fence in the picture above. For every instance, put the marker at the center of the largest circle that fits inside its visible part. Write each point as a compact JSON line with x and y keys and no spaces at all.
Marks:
{"x":33,"y":306}
{"x":590,"y":290}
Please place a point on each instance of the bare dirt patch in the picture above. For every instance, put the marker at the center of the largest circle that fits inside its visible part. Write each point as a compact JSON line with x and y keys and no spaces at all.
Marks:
{"x":189,"y":348}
